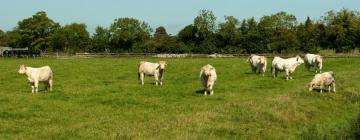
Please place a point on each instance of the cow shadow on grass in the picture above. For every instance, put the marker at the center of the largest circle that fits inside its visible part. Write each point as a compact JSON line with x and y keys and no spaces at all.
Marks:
{"x":201,"y":91}
{"x":247,"y":73}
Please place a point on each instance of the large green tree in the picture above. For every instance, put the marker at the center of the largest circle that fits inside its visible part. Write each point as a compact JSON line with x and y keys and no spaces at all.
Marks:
{"x":308,"y":36}
{"x":71,"y":38}
{"x":204,"y":36}
{"x":2,"y":38}
{"x":228,"y":35}
{"x":279,"y":32}
{"x":100,"y":40}
{"x":125,"y":32}
{"x":35,"y":32}
{"x":343,"y":30}
{"x":188,"y":35}
{"x":205,"y":23}
{"x":160,"y":32}
{"x":251,"y":39}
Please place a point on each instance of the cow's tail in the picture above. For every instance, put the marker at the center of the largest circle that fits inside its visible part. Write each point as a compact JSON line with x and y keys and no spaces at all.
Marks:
{"x":138,"y":66}
{"x":138,"y":76}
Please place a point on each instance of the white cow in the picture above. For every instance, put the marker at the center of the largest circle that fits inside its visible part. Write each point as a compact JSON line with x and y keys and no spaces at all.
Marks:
{"x":35,"y":75}
{"x":257,"y":63}
{"x":313,"y":60}
{"x":288,"y":65}
{"x":151,"y":69}
{"x":322,"y":81}
{"x":208,"y":77}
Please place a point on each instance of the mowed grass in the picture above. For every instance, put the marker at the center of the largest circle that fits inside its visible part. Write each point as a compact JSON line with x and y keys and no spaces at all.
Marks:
{"x":100,"y":98}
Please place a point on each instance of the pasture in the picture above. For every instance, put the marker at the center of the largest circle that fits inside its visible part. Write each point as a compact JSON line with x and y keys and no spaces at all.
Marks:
{"x":100,"y":98}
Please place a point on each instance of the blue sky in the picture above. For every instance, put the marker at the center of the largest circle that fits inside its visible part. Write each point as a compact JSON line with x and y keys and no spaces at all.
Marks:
{"x":172,"y":14}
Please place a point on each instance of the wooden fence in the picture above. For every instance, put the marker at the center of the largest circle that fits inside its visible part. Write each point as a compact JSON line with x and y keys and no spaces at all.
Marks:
{"x":188,"y":55}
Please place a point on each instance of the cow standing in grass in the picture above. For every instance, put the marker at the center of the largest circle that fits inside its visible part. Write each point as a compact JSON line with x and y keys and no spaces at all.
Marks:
{"x":257,"y":63}
{"x":313,"y":60}
{"x":322,"y":81}
{"x":35,"y":75}
{"x":151,"y":69}
{"x":288,"y":65}
{"x":208,"y":77}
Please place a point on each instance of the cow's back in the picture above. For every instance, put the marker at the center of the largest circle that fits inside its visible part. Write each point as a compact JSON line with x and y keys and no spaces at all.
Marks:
{"x":42,"y":73}
{"x":209,"y":68}
{"x":278,"y":62}
{"x":310,"y":58}
{"x":147,"y":68}
{"x":254,"y":59}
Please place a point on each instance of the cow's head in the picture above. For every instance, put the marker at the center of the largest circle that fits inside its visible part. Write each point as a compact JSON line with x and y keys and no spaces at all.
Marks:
{"x":299,"y":60}
{"x":208,"y":75}
{"x":312,"y":86}
{"x":22,"y":69}
{"x":262,"y":60}
{"x":318,"y":59}
{"x":162,"y":65}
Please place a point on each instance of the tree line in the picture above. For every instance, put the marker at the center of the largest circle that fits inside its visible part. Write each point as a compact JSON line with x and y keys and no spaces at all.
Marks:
{"x":276,"y":33}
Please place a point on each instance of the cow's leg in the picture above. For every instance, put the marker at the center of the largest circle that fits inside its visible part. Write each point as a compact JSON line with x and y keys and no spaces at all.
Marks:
{"x":32,"y":87}
{"x":142,"y":75}
{"x":50,"y":84}
{"x":333,"y":85}
{"x":287,"y":74}
{"x":46,"y":83}
{"x":253,"y":69}
{"x":262,"y":70}
{"x":36,"y":84}
{"x":321,"y":87}
{"x":156,"y":79}
{"x":308,"y":67}
{"x":274,"y":72}
{"x":205,"y":91}
{"x":161,"y":79}
{"x":210,"y":89}
{"x":329,"y":88}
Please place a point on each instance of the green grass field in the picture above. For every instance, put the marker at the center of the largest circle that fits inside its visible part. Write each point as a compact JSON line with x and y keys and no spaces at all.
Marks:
{"x":100,"y":98}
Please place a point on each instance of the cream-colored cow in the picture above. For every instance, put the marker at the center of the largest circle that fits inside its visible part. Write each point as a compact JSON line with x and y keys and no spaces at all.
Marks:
{"x":208,"y":77}
{"x":288,"y":65}
{"x":35,"y":75}
{"x":313,"y":60}
{"x":257,"y":63}
{"x":151,"y":69}
{"x":322,"y":81}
